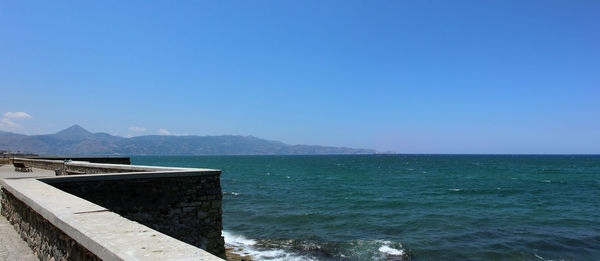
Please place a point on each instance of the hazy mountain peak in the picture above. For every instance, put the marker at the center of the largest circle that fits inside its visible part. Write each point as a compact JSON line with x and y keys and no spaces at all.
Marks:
{"x":74,"y":131}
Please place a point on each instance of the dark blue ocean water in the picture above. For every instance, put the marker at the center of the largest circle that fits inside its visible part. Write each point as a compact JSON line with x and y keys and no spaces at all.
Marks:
{"x":437,"y":207}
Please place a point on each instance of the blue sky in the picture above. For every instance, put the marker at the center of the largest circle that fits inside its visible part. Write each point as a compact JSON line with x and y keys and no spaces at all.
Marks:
{"x":408,"y":76}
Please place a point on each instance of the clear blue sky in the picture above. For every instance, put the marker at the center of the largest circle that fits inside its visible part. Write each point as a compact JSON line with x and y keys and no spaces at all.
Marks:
{"x":408,"y":76}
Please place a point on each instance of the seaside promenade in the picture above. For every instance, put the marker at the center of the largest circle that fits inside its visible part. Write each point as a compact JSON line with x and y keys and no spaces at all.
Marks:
{"x":103,"y":211}
{"x":12,"y":247}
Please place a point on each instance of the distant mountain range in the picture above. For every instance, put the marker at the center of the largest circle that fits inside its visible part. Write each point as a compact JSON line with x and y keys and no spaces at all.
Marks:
{"x":76,"y":140}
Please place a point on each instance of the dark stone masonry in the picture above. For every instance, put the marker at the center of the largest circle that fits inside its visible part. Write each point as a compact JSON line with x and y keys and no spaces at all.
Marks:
{"x":187,"y":208}
{"x":46,"y":241}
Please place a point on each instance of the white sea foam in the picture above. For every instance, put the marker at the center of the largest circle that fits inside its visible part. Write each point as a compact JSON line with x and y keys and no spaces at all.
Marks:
{"x":277,"y":254}
{"x":455,"y":190}
{"x":387,"y":250}
{"x":390,"y":251}
{"x":237,"y":240}
{"x":248,"y":247}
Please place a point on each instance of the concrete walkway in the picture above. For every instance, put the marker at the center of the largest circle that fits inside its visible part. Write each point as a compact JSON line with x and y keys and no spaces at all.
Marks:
{"x":8,"y":171}
{"x":12,"y":247}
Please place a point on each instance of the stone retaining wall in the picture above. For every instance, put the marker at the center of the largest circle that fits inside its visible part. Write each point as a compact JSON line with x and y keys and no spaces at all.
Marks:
{"x":78,"y":166}
{"x":187,"y":208}
{"x":47,"y":241}
{"x":72,"y":167}
{"x":108,"y":160}
{"x":57,"y":215}
{"x":41,"y":164}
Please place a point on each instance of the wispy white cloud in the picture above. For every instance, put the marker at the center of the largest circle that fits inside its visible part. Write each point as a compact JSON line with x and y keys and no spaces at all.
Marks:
{"x":8,"y":121}
{"x":17,"y":115}
{"x":165,"y":132}
{"x":136,"y":129}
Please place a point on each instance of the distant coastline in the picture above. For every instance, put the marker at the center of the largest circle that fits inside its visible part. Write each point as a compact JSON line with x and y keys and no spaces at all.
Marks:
{"x":76,"y":140}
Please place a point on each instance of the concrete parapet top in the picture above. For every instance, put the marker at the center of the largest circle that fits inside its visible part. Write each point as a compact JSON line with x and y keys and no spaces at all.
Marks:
{"x":104,"y":233}
{"x":132,"y":168}
{"x":127,"y":175}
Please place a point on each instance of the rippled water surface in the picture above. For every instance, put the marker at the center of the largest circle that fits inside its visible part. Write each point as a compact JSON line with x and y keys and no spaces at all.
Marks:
{"x":378,"y":207}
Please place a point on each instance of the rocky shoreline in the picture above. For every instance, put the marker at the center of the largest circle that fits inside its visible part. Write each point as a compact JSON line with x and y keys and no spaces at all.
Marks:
{"x":231,"y":256}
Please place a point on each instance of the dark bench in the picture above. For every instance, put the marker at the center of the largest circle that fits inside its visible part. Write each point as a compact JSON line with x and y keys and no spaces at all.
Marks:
{"x":21,"y":167}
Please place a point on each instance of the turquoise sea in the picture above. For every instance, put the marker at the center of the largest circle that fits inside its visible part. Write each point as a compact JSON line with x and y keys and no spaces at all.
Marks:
{"x":435,"y":207}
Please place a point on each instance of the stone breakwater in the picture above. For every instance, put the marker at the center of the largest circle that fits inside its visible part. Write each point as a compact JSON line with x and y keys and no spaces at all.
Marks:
{"x":126,"y":213}
{"x":187,"y":208}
